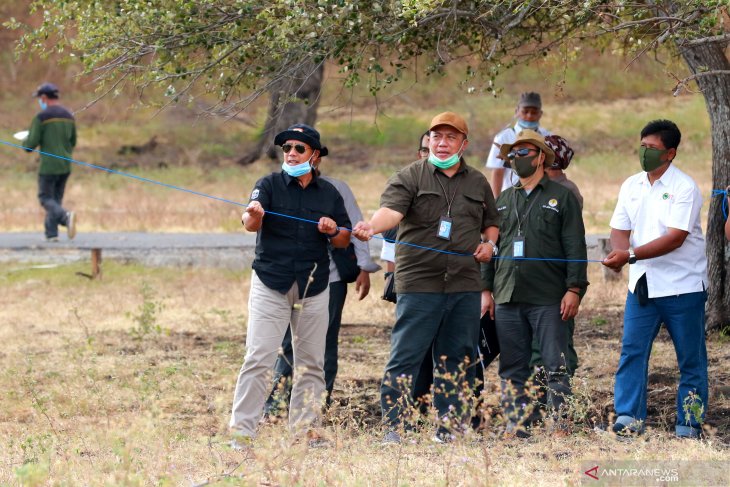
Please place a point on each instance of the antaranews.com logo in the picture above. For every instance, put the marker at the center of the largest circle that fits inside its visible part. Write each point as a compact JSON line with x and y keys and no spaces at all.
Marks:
{"x":649,"y":472}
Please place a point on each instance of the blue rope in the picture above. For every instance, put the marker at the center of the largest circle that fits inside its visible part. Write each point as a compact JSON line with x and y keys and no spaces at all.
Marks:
{"x":224,"y":200}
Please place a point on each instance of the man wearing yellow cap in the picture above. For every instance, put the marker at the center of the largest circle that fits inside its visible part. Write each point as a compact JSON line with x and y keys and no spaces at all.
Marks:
{"x":539,"y":279}
{"x":446,"y":208}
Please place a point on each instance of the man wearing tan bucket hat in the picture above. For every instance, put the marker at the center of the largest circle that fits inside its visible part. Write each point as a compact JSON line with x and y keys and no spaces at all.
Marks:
{"x":444,"y":207}
{"x":539,"y":279}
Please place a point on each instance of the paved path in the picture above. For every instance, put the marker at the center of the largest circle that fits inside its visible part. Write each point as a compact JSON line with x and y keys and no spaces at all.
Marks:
{"x":229,"y":250}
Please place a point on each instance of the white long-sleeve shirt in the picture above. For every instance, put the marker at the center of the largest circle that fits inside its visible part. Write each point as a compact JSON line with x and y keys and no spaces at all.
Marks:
{"x":362,"y":249}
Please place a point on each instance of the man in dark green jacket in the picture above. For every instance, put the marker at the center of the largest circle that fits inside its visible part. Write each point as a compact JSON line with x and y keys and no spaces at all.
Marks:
{"x":54,"y":130}
{"x":539,"y":277}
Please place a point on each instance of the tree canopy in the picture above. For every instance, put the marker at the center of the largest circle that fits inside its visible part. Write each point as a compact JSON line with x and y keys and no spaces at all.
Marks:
{"x":235,"y":49}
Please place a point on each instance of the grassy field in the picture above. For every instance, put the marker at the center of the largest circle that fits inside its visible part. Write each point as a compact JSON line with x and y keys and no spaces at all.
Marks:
{"x":129,"y":381}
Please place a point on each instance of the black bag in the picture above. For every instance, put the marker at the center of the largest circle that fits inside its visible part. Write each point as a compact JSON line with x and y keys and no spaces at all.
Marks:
{"x":642,"y":291}
{"x":346,"y":262}
{"x":488,"y":342}
{"x":389,"y":288}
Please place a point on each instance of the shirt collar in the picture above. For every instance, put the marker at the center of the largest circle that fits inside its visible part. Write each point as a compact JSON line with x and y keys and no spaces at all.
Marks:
{"x":666,"y":178}
{"x":289,"y":180}
{"x":517,"y":128}
{"x":542,"y":183}
{"x":668,"y":175}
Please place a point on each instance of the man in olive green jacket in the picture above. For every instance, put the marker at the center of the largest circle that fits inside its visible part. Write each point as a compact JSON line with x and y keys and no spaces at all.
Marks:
{"x":54,"y":130}
{"x":539,"y":276}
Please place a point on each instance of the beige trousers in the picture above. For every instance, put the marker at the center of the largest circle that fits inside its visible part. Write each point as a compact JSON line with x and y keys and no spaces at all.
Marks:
{"x":269,"y":315}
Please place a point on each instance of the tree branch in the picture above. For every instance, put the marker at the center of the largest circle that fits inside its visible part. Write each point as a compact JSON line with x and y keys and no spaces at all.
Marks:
{"x":682,"y":83}
{"x":722,"y":38}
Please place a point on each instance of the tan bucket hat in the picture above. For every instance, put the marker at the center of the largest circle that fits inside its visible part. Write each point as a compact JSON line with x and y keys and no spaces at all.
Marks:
{"x":533,"y":138}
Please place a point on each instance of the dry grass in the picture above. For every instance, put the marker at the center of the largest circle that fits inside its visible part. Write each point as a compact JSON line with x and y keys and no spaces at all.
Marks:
{"x":605,"y":136}
{"x":86,"y":403}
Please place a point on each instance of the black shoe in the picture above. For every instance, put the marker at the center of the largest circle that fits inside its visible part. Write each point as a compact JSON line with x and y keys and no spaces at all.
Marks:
{"x":625,"y":431}
{"x":515,"y":430}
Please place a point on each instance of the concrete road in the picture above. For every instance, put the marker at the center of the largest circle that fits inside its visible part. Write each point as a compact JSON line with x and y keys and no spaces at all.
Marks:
{"x":228,"y":250}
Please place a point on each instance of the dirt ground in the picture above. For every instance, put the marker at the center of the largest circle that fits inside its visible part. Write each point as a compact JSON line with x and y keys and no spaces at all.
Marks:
{"x":129,"y":381}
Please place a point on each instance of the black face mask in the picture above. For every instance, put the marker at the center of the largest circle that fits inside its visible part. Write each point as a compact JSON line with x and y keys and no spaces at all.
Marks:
{"x":523,"y":166}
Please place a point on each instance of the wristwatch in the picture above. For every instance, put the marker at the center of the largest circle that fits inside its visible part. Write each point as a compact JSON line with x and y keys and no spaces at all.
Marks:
{"x":333,"y":235}
{"x":632,"y":256}
{"x":494,"y":246}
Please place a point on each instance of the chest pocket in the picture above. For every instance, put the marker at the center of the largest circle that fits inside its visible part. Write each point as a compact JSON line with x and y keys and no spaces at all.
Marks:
{"x":664,"y":213}
{"x":473,"y":205}
{"x":634,"y":207}
{"x":315,"y":210}
{"x":427,"y":208}
{"x":549,"y":222}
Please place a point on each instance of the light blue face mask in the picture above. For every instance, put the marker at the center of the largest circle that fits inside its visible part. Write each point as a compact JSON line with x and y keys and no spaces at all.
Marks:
{"x":298,"y":169}
{"x":445,"y":163}
{"x":42,"y":104}
{"x":528,"y":125}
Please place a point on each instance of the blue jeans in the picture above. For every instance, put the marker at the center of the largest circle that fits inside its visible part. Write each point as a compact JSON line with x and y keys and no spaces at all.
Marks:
{"x":449,"y":323}
{"x":684,"y":318}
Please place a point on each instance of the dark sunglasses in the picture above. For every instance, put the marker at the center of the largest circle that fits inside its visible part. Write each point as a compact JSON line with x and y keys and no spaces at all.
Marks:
{"x":520,"y":153}
{"x":298,"y":147}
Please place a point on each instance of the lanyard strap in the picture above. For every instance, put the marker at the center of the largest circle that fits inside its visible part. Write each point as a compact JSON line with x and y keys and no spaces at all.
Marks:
{"x":520,"y":221}
{"x":448,"y":201}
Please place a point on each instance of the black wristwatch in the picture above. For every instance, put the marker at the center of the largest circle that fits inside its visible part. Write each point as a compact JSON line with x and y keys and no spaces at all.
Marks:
{"x":632,"y":256}
{"x":333,"y":235}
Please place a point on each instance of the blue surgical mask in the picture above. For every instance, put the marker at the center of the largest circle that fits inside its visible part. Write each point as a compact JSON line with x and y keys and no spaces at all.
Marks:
{"x":445,"y":163}
{"x":297,"y":170}
{"x":528,"y":125}
{"x":42,"y":104}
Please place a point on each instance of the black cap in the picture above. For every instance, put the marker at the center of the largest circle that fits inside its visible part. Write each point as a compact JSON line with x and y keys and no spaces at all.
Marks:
{"x":48,"y":89}
{"x":303,"y":133}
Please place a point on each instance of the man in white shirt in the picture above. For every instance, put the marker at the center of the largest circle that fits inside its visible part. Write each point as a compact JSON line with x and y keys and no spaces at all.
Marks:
{"x":528,"y":114}
{"x":656,"y":230}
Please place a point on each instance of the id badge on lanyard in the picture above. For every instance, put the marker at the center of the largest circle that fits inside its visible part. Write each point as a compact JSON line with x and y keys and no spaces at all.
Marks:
{"x":518,"y":244}
{"x":444,"y":229}
{"x":518,"y":247}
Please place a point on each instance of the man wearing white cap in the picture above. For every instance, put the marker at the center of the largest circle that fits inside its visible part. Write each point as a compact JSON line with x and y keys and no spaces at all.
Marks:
{"x":527,"y":114}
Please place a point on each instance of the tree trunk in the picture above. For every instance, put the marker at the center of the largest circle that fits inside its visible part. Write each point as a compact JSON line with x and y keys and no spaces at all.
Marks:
{"x":293,"y":100}
{"x":716,"y":90}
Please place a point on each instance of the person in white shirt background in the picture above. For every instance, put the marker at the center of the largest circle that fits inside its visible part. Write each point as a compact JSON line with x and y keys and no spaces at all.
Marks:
{"x":527,"y":114}
{"x":656,"y":229}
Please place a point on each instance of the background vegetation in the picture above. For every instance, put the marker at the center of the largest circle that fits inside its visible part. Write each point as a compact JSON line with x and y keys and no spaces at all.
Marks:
{"x":601,"y":114}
